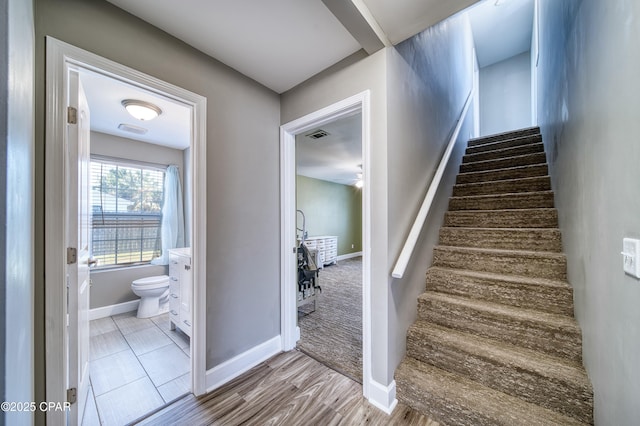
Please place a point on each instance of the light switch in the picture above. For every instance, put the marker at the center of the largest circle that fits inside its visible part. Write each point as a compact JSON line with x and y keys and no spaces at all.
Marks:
{"x":631,"y":256}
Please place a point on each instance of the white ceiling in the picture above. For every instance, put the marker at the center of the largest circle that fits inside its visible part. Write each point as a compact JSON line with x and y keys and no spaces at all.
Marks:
{"x":401,"y":19}
{"x":105,"y":96}
{"x":281,"y":43}
{"x":278,"y":43}
{"x":335,"y":158}
{"x":502,"y":31}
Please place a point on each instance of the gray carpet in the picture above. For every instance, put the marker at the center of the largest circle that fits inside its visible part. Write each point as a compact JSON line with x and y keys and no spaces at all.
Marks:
{"x":332,"y":333}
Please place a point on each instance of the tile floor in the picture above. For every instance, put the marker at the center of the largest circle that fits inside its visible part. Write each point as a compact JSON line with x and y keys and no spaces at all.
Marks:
{"x":136,"y":366}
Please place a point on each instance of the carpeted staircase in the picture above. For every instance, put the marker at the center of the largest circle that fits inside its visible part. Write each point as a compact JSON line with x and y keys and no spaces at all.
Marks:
{"x":495,"y":342}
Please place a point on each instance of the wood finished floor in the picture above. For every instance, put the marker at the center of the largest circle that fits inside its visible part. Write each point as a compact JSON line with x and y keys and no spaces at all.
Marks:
{"x":288,"y":389}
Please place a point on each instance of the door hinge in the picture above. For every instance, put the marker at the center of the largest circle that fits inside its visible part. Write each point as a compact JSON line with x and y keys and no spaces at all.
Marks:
{"x":72,"y":115}
{"x":72,"y":255}
{"x":72,"y":395}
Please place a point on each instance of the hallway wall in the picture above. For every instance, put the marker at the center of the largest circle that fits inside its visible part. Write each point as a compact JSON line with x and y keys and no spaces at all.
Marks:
{"x":505,"y":95}
{"x":589,"y":101}
{"x":425,"y":99}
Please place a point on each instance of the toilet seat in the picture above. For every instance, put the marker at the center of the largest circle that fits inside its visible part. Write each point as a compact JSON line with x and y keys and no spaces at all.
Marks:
{"x":151,"y":282}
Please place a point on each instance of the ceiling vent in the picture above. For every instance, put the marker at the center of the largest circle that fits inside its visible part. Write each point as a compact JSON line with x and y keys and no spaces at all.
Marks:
{"x":317,"y":134}
{"x":132,"y":129}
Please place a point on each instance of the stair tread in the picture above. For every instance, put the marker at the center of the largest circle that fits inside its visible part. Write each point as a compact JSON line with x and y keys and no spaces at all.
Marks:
{"x":512,"y":279}
{"x":530,"y":210}
{"x":545,"y":217}
{"x":502,"y":181}
{"x":506,"y":194}
{"x":505,"y":252}
{"x":463,"y":400}
{"x":495,"y":144}
{"x":501,"y":153}
{"x":528,"y":131}
{"x":507,"y":159}
{"x":516,"y":357}
{"x":503,"y":195}
{"x":564,"y":322}
{"x":530,"y":170}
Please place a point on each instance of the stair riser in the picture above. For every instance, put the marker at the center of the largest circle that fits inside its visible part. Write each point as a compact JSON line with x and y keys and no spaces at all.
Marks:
{"x":554,"y":300}
{"x":511,"y":239}
{"x":503,"y":174}
{"x":503,"y":187}
{"x":567,"y":398}
{"x":540,"y":337}
{"x":509,"y":143}
{"x":515,"y":263}
{"x":525,"y":200}
{"x":504,"y":163}
{"x":438,"y":408}
{"x":503,"y":136}
{"x":504,"y":153}
{"x":540,"y":218}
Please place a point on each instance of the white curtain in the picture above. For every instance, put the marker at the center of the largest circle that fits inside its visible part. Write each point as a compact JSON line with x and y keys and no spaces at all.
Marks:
{"x":172,"y":228}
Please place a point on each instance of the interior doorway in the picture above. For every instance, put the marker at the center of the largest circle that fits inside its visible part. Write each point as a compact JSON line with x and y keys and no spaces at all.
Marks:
{"x":329,"y":222}
{"x":64,"y":337}
{"x":358,"y":104}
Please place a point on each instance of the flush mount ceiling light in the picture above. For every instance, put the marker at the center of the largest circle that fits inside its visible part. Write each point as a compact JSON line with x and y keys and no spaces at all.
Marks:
{"x":141,"y":110}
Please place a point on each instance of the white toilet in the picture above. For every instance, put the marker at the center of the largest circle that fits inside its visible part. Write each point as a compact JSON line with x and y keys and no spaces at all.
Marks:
{"x":154,"y":295}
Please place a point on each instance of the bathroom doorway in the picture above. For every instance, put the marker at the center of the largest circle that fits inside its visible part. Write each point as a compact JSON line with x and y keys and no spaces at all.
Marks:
{"x":135,"y":365}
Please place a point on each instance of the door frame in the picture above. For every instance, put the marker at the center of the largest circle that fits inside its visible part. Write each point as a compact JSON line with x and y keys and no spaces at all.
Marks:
{"x":60,"y":56}
{"x":290,"y":332}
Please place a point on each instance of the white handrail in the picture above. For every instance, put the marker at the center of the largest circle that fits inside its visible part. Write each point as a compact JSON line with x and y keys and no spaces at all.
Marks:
{"x":416,"y":229}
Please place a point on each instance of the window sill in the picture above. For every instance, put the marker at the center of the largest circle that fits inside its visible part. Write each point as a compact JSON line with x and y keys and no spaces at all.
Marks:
{"x":117,"y":268}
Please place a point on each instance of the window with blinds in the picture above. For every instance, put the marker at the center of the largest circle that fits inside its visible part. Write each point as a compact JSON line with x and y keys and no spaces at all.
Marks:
{"x":126,"y":205}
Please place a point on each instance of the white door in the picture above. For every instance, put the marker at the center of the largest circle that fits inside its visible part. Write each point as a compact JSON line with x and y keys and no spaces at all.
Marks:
{"x":78,"y":238}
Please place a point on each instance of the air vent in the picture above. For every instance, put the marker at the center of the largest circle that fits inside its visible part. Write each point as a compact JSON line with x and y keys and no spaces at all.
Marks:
{"x":317,"y":134}
{"x":132,"y":129}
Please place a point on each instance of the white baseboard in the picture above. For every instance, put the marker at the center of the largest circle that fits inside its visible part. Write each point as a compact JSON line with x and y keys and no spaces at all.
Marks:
{"x":107,"y":311}
{"x":228,"y":370}
{"x":349,"y":255}
{"x":383,"y":397}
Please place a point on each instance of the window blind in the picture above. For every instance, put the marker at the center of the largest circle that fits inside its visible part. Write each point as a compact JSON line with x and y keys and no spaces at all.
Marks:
{"x":126,"y":203}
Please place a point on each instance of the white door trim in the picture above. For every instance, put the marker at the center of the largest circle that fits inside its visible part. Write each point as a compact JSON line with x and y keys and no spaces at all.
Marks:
{"x":289,"y":331}
{"x":60,"y":56}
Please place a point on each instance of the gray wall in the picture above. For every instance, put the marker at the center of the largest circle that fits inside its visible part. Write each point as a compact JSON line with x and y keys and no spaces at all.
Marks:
{"x":505,"y":95}
{"x":425,"y":99}
{"x":113,"y":286}
{"x":589,"y":101}
{"x":242,"y":165}
{"x":16,"y":206}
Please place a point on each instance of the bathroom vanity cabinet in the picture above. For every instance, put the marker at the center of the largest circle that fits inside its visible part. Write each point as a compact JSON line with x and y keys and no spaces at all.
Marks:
{"x":180,"y":289}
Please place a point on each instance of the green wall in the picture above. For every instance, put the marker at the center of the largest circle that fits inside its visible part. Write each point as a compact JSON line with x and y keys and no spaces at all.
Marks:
{"x":331,"y":209}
